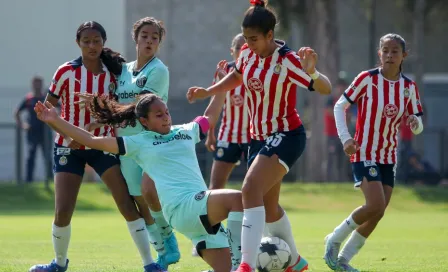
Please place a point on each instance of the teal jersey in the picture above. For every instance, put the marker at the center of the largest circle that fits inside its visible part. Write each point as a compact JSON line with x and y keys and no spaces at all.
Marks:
{"x":153,"y":77}
{"x":170,"y":160}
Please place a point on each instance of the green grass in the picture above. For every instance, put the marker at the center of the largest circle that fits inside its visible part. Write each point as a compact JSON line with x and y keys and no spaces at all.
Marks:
{"x":413,"y":235}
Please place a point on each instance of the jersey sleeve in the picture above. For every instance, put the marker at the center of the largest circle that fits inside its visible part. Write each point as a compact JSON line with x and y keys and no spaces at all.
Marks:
{"x":296,"y":73}
{"x":59,"y":83}
{"x":128,"y":146}
{"x":357,"y":88}
{"x":243,"y":58}
{"x":158,"y":82}
{"x":198,"y":128}
{"x":414,"y":106}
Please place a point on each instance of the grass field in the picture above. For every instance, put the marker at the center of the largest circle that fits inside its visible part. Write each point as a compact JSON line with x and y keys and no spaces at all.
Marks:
{"x":413,"y":236}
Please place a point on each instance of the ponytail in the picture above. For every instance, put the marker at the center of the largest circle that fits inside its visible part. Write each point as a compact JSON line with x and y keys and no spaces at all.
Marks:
{"x":110,"y":112}
{"x":112,"y":60}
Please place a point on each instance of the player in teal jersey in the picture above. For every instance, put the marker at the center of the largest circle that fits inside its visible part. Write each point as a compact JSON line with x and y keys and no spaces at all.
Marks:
{"x":146,"y":74}
{"x":167,"y":153}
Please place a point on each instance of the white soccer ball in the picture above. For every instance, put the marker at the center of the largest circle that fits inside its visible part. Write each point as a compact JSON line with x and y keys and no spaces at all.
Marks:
{"x":273,"y":255}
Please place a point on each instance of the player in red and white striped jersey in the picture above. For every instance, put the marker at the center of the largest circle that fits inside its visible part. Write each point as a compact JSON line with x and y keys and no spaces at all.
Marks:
{"x":233,"y":137}
{"x":92,"y":73}
{"x":384,"y":97}
{"x":269,"y":71}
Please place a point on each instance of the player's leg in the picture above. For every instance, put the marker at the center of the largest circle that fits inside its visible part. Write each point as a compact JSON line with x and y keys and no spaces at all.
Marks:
{"x":368,"y":178}
{"x":171,"y":253}
{"x":68,"y":169}
{"x":358,"y":237}
{"x":286,"y":151}
{"x":139,"y":227}
{"x":217,"y":258}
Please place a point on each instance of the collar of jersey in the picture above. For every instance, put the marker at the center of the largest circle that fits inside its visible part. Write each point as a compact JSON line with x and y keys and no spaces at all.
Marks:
{"x":136,"y":72}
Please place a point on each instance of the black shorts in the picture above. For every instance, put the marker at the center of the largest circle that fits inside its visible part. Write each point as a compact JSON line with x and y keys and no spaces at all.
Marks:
{"x":67,"y":160}
{"x":373,"y":171}
{"x":230,"y":152}
{"x":288,"y":146}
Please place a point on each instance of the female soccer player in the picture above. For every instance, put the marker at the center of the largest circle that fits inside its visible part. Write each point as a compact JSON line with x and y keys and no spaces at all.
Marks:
{"x":93,"y":72}
{"x":167,"y":154}
{"x":146,"y":74}
{"x":384,"y":96}
{"x":233,"y":137}
{"x":269,"y":69}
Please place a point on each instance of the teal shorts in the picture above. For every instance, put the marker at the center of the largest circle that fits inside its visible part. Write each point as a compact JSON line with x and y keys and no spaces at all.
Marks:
{"x":132,"y":173}
{"x":190,"y":218}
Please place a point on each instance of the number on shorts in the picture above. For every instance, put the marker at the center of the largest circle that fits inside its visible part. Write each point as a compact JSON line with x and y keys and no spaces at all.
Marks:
{"x":275,"y":140}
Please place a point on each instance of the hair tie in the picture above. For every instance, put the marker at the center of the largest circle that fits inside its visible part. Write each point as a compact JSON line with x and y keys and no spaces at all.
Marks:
{"x":257,"y":3}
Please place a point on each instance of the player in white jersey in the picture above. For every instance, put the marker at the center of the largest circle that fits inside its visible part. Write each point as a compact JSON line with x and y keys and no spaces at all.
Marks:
{"x":384,"y":97}
{"x":92,"y":73}
{"x":167,"y":154}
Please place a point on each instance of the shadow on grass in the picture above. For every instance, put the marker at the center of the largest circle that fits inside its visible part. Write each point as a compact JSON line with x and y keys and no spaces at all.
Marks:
{"x":431,"y":194}
{"x":36,"y":199}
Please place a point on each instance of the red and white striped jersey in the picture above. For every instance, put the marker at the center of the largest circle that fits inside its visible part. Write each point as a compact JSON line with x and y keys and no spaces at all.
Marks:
{"x":72,"y":77}
{"x":381,"y":106}
{"x":235,"y":115}
{"x":271,"y":83}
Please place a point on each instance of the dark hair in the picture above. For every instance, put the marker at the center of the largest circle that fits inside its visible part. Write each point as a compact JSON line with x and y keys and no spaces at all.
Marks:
{"x":148,"y":21}
{"x":395,"y":37}
{"x":111,"y":59}
{"x":109,"y":111}
{"x":260,"y":17}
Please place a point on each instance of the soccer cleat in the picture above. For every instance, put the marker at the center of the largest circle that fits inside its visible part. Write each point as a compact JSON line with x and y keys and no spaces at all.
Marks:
{"x":244,"y":267}
{"x":300,"y":266}
{"x":172,"y":254}
{"x":51,"y":267}
{"x":161,"y":261}
{"x":331,"y":252}
{"x":344,"y":266}
{"x":154,"y":267}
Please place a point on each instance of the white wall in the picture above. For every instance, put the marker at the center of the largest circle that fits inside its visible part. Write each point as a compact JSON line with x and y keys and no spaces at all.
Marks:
{"x":37,"y":37}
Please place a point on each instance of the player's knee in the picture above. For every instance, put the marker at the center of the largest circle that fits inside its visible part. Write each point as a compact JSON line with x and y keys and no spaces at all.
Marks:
{"x":237,"y":201}
{"x":63,"y":215}
{"x":127,"y":208}
{"x":251,"y":189}
{"x":375,"y":210}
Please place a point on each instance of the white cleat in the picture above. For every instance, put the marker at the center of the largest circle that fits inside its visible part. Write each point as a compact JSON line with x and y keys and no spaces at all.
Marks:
{"x":344,"y":266}
{"x":331,"y":252}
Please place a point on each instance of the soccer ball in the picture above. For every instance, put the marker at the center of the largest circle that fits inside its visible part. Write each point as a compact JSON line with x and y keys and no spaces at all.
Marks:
{"x":273,"y":255}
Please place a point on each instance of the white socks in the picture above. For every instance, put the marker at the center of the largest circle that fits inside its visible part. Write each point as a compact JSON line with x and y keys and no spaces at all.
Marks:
{"x":164,"y":228}
{"x":234,"y":222}
{"x":342,"y":231}
{"x":61,"y":239}
{"x":252,"y":232}
{"x":352,"y":247}
{"x":139,"y":234}
{"x":282,"y":229}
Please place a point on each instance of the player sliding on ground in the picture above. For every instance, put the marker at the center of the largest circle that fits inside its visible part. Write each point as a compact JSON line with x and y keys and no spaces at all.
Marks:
{"x":167,"y":154}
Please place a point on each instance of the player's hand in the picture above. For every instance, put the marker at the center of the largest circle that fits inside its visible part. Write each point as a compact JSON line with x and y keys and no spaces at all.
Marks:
{"x":308,"y":59}
{"x":92,"y":126}
{"x":46,"y":113}
{"x":413,"y":122}
{"x":221,"y":68}
{"x":210,"y":142}
{"x":196,"y":93}
{"x":350,"y":147}
{"x":72,"y":143}
{"x":85,"y":101}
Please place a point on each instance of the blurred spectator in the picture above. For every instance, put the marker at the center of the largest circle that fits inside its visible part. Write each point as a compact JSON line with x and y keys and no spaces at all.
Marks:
{"x":420,"y":171}
{"x":36,"y":130}
{"x":337,"y":164}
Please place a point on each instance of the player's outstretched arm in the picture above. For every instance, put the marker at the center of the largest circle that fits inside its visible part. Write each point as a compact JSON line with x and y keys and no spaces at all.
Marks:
{"x":229,"y":82}
{"x":47,"y":113}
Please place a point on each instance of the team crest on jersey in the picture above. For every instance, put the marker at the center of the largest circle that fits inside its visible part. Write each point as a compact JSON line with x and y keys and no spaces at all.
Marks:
{"x":390,"y":111}
{"x":220,"y":153}
{"x":255,"y":84}
{"x":141,"y":81}
{"x":199,"y":196}
{"x":407,"y":93}
{"x":237,"y":100}
{"x":63,"y":160}
{"x":373,"y":172}
{"x":278,"y":68}
{"x":111,"y":87}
